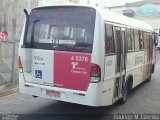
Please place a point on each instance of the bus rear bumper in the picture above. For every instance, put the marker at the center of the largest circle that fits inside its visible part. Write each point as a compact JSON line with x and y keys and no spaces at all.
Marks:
{"x":89,"y":97}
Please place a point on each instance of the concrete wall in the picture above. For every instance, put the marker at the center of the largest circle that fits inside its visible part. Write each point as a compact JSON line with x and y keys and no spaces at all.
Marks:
{"x":8,"y":62}
{"x":12,"y":16}
{"x":11,"y":20}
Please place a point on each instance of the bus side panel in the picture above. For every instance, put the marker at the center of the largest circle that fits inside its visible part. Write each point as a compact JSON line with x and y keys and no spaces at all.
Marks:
{"x":134,"y":66}
{"x":98,"y":53}
{"x":145,"y":66}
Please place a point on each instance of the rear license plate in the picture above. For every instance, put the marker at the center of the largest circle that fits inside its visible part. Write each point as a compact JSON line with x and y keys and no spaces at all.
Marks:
{"x":53,"y":93}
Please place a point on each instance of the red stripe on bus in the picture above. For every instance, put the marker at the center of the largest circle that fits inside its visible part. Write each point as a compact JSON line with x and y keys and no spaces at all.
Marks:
{"x":72,"y":70}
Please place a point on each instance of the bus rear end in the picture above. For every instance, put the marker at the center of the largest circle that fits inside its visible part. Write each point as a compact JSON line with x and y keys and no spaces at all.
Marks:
{"x":55,"y":57}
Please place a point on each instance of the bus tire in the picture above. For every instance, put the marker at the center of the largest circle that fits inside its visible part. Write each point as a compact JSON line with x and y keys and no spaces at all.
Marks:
{"x":125,"y":95}
{"x":149,"y":79}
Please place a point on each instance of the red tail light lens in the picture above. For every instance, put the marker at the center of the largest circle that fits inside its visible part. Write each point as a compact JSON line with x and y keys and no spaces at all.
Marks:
{"x":95,"y":68}
{"x":20,"y":63}
{"x":95,"y":73}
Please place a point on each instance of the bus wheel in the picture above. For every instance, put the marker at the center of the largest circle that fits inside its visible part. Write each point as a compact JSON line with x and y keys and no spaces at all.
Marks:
{"x":149,"y":78}
{"x":125,"y":95}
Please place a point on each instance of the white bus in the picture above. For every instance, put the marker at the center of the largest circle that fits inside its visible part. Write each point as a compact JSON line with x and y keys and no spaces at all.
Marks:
{"x":84,"y":55}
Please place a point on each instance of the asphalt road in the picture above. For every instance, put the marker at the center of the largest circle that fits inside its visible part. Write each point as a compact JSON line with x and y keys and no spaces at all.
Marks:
{"x":143,"y":99}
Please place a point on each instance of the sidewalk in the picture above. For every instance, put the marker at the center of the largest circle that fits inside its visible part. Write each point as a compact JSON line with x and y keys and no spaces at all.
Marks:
{"x":8,"y":89}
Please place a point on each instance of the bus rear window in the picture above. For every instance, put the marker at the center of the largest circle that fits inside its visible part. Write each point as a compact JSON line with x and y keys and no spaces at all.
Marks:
{"x":64,"y":29}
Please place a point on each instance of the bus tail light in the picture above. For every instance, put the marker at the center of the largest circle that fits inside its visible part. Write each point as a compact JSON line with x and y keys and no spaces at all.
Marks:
{"x":20,"y":63}
{"x":95,"y":73}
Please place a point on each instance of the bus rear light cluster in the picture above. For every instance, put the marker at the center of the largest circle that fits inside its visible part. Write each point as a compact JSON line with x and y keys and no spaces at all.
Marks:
{"x":95,"y":73}
{"x":20,"y":63}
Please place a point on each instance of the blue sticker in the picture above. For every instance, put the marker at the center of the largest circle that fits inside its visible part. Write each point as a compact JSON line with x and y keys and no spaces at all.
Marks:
{"x":38,"y":74}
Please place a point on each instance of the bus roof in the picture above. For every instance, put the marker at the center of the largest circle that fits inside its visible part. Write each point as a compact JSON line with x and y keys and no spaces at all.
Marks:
{"x":112,"y":17}
{"x":124,"y":20}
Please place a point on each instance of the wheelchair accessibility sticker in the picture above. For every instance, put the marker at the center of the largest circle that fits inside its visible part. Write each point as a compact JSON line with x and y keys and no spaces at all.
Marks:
{"x":38,"y":74}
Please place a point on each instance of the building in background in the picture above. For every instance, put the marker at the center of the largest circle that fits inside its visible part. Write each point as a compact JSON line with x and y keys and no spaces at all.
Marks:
{"x":146,"y":10}
{"x":12,"y":16}
{"x":11,"y":22}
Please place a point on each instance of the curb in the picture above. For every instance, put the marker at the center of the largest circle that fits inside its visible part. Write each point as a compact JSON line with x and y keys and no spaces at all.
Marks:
{"x":8,"y":89}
